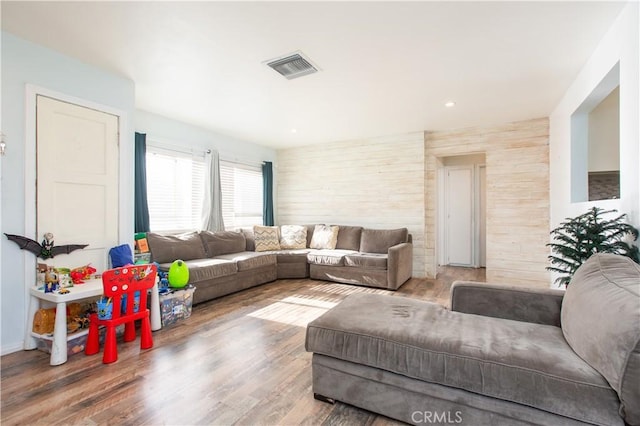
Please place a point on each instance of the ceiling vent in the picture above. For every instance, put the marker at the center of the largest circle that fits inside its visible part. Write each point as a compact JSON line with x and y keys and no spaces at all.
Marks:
{"x":293,"y":65}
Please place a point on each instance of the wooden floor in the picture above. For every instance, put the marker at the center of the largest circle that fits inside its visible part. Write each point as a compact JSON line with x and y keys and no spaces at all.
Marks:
{"x":239,"y":360}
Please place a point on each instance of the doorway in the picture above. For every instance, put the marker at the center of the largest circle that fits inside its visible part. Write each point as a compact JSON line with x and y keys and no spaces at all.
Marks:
{"x":462,"y":212}
{"x":77,"y":179}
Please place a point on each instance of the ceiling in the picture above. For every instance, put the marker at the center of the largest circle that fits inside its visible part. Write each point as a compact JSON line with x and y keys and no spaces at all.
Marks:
{"x":386,"y":67}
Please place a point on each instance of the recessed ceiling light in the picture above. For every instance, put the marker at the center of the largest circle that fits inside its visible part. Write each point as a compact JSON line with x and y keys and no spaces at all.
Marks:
{"x":450,"y":104}
{"x":294,"y":130}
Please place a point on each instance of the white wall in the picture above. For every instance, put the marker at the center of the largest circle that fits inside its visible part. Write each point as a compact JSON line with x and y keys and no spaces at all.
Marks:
{"x":167,"y":130}
{"x":375,"y":183}
{"x":621,"y":43}
{"x":26,"y":63}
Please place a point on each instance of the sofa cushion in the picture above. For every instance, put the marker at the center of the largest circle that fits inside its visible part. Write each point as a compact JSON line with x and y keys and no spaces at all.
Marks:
{"x":206,"y":269}
{"x":530,"y":364}
{"x":601,"y":321}
{"x":250,"y":238}
{"x":310,"y":229}
{"x":247,"y":260}
{"x":223,"y":242}
{"x":324,"y":237}
{"x":349,"y":237}
{"x":167,"y":248}
{"x":328,"y":257}
{"x":366,"y":260}
{"x":291,"y":256}
{"x":293,"y":237}
{"x":266,"y":238}
{"x":379,"y":240}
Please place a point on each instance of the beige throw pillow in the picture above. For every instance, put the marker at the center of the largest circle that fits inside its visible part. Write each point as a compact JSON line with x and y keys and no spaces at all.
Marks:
{"x":266,"y":238}
{"x":293,"y":237}
{"x":324,"y":237}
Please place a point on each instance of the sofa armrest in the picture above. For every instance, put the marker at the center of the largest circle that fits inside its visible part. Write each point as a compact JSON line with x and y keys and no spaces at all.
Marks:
{"x":535,"y":305}
{"x":399,"y":264}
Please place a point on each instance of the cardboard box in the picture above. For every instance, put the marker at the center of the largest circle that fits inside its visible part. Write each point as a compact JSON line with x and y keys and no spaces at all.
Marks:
{"x":176,"y":305}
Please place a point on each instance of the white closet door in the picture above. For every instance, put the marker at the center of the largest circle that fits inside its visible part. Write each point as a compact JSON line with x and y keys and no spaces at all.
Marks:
{"x":77,"y":180}
{"x":459,"y":215}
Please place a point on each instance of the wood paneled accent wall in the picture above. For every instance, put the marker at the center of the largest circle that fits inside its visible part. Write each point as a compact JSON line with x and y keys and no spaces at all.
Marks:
{"x":376,"y":183}
{"x":517,"y":194}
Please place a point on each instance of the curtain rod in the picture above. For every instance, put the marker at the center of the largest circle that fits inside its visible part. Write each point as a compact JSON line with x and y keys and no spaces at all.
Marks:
{"x":163,"y":144}
{"x":241,"y":162}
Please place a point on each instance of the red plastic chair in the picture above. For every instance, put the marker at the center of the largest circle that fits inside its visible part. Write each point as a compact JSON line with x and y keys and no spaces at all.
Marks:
{"x":118,"y":283}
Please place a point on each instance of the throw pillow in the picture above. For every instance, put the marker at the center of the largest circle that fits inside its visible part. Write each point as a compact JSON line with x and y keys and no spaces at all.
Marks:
{"x":293,"y":237}
{"x":324,"y":237}
{"x":266,"y":238}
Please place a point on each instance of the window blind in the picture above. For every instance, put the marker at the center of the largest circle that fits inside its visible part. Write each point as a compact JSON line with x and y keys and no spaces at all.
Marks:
{"x":241,"y":194}
{"x":175,"y":190}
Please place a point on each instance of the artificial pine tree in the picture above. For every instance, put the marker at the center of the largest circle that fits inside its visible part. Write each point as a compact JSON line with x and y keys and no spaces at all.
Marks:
{"x":575,"y":240}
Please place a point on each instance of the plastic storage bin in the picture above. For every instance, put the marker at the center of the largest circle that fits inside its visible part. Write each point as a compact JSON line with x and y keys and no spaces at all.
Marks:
{"x":176,"y":305}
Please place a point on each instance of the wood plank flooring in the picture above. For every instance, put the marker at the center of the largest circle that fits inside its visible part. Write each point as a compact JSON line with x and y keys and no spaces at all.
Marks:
{"x":238,"y":360}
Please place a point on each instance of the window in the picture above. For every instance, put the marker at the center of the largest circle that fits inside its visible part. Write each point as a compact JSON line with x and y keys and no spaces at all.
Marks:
{"x":241,"y":195}
{"x":175,"y":190}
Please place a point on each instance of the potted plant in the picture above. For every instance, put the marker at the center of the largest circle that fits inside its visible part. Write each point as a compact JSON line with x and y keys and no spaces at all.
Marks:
{"x":576,"y":239}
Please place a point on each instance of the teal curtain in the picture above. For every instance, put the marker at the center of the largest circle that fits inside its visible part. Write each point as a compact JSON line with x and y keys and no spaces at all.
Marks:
{"x":267,"y":193}
{"x":141,"y":205}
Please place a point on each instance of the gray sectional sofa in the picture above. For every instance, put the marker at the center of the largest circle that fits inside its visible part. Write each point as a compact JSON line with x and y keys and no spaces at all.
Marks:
{"x":225,"y":262}
{"x":502,"y":355}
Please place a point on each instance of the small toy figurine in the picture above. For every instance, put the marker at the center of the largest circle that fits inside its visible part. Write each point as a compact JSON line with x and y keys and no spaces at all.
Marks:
{"x":163,"y":280}
{"x":50,"y":280}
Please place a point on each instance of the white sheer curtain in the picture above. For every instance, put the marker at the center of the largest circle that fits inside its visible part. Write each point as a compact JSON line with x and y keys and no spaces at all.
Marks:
{"x":212,"y":205}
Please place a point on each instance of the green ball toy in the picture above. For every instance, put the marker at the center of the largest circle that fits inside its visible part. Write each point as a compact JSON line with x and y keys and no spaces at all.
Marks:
{"x":178,"y":274}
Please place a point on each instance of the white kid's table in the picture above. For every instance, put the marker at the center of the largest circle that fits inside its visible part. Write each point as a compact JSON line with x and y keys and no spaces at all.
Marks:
{"x":90,"y":288}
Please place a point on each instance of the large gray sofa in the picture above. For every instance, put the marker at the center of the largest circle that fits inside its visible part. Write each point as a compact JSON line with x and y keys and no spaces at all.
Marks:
{"x":225,"y":262}
{"x":502,"y":355}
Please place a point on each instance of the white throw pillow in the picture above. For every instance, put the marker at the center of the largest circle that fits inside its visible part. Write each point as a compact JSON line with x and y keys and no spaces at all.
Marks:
{"x":293,"y":237}
{"x":324,"y":237}
{"x":266,"y":238}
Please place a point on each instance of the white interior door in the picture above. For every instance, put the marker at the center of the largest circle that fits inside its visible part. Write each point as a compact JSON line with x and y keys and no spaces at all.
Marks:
{"x":459,"y":220}
{"x":77,"y":180}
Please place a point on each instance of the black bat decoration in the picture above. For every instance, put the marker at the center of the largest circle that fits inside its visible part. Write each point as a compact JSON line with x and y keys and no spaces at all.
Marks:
{"x":45,"y":250}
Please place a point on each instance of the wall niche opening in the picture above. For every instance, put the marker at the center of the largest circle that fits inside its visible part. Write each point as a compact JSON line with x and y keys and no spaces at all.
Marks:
{"x":595,"y":142}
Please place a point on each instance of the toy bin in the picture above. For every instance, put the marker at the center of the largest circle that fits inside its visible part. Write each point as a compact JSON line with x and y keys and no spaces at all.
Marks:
{"x":175,"y":305}
{"x":75,"y":342}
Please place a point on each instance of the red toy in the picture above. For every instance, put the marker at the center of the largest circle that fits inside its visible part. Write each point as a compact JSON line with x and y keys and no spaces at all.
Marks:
{"x":82,"y":273}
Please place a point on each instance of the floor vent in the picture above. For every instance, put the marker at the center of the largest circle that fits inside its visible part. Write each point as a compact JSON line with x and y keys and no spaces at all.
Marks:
{"x":292,"y":66}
